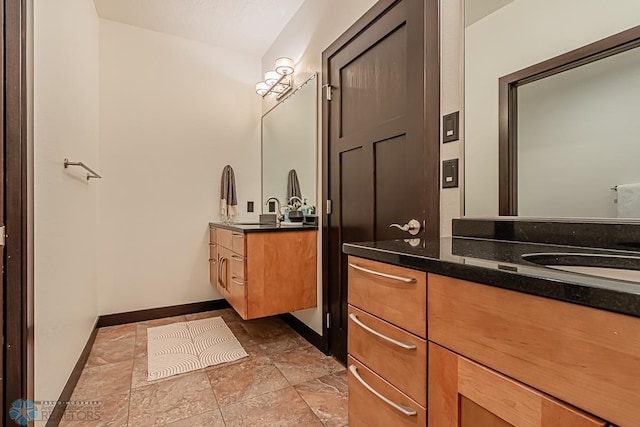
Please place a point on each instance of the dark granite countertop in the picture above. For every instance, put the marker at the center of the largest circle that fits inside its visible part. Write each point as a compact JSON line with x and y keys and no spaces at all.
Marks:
{"x":499,"y":263}
{"x":255,"y":227}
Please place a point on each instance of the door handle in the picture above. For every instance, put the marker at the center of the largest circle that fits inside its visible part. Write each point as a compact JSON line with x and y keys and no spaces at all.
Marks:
{"x":413,"y":227}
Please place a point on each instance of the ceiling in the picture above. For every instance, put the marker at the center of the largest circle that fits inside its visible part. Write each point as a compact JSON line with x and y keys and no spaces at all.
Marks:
{"x":475,"y":10}
{"x":248,"y":26}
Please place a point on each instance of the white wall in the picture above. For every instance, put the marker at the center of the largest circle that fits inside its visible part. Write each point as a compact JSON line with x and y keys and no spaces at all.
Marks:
{"x":521,"y":34}
{"x":312,"y":29}
{"x":173,"y":113}
{"x":66,"y":233}
{"x":451,"y":100}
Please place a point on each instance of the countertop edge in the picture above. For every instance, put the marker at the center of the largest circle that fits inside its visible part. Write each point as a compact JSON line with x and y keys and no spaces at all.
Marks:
{"x":257,"y":228}
{"x":575,"y":293}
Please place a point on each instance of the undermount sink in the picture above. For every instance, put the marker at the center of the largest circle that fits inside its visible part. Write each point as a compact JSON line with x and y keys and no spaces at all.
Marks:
{"x":619,"y":267}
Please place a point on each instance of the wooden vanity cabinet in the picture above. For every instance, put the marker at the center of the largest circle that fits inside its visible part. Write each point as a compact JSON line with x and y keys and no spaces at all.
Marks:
{"x":213,"y":259}
{"x":463,"y":393}
{"x":529,"y":360}
{"x":387,"y":362}
{"x":266,"y":273}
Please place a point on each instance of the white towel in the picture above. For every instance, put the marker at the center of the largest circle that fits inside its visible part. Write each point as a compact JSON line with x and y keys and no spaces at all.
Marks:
{"x":629,"y":201}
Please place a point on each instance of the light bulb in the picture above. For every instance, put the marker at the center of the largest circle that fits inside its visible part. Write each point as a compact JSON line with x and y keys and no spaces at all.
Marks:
{"x":262,"y":88}
{"x":284,"y":66}
{"x":271,"y":77}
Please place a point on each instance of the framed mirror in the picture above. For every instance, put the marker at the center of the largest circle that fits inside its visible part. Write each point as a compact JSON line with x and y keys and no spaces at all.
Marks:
{"x":564,"y":132}
{"x":289,"y":132}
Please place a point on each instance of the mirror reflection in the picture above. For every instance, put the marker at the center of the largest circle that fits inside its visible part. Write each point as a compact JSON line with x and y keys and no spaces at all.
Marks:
{"x":289,"y":151}
{"x":577,"y":130}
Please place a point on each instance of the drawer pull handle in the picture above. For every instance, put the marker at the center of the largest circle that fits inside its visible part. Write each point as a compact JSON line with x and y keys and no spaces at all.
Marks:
{"x":357,"y":321}
{"x":213,"y":245}
{"x":407,"y":411}
{"x":388,"y":276}
{"x":212,"y":261}
{"x":237,"y":258}
{"x":239,"y":236}
{"x":237,"y":282}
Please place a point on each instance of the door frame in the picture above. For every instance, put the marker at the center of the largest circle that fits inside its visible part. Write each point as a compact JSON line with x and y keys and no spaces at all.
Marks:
{"x":17,"y":371}
{"x":431,"y":126}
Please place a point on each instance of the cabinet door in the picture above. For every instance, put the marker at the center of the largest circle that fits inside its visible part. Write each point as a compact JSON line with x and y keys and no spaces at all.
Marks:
{"x":463,"y":393}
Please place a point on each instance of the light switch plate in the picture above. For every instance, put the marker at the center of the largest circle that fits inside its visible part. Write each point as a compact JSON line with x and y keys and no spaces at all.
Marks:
{"x":451,"y":127}
{"x":250,"y":206}
{"x":450,"y":173}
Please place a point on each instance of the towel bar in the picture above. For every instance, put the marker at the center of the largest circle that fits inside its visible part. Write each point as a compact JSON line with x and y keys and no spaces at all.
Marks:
{"x":91,"y":174}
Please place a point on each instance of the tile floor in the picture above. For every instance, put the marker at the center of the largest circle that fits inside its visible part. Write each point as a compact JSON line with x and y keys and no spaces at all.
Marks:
{"x":285,"y":381}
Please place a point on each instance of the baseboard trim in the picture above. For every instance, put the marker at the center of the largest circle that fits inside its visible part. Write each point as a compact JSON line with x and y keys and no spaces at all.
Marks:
{"x":306,"y":332}
{"x":158,"y":313}
{"x":58,"y":411}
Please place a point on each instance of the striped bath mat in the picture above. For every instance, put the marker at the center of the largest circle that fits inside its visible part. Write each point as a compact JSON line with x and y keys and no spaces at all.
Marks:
{"x":187,"y":346}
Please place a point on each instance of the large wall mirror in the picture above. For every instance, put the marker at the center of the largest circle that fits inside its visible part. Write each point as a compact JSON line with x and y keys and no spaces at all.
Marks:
{"x":574,"y":131}
{"x":289,"y":144}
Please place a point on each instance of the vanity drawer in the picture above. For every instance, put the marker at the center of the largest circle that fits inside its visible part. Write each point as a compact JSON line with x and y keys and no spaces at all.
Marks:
{"x":396,"y":294}
{"x":213,"y":250}
{"x":237,"y":243}
{"x":212,"y":235}
{"x":224,"y":238}
{"x":405,"y":368}
{"x":237,"y":265}
{"x":237,"y":295}
{"x":367,"y":409}
{"x":213,"y":272}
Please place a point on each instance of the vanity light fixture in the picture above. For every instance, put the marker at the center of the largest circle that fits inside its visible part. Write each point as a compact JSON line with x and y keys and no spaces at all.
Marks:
{"x":278,"y":81}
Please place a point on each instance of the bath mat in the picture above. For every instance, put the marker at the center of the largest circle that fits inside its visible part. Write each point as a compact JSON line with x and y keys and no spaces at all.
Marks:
{"x":188,"y":346}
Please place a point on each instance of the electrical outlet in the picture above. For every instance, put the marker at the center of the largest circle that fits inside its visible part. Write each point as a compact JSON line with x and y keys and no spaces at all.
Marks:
{"x":250,"y":206}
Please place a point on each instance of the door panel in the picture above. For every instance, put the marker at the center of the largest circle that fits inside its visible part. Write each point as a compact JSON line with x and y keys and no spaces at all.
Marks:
{"x":357,"y":222}
{"x":380,"y":66}
{"x":381,"y":150}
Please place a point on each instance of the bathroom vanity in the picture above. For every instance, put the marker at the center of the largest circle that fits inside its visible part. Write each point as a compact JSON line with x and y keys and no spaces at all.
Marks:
{"x":263,"y":270}
{"x":465,"y":331}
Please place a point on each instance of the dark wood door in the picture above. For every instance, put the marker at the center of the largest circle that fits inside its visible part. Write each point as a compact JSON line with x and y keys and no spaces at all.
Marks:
{"x":381,"y":138}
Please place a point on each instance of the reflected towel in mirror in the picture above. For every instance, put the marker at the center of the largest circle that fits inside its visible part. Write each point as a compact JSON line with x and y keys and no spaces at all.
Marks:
{"x":629,"y":200}
{"x":293,"y":186}
{"x":228,"y":195}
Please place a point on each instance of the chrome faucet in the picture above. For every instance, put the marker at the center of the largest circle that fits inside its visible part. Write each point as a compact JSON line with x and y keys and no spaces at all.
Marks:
{"x":279,"y":216}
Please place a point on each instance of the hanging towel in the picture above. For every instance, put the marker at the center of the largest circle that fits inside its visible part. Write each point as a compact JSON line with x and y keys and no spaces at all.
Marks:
{"x":293,"y":187}
{"x":629,"y":201}
{"x":228,"y":195}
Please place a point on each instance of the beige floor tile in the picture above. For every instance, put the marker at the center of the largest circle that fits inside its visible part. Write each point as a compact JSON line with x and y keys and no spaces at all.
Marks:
{"x":127,"y":330}
{"x":112,"y":349}
{"x":163,"y":321}
{"x":262,"y":330}
{"x":282,"y":343}
{"x":232,"y":383}
{"x":241,"y":334}
{"x":104,"y":380}
{"x":283,"y":408}
{"x":141,"y":341}
{"x":111,"y":410}
{"x":172,"y":400}
{"x":208,"y":419}
{"x":227,"y":314}
{"x":304,"y":364}
{"x":327,"y":398}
